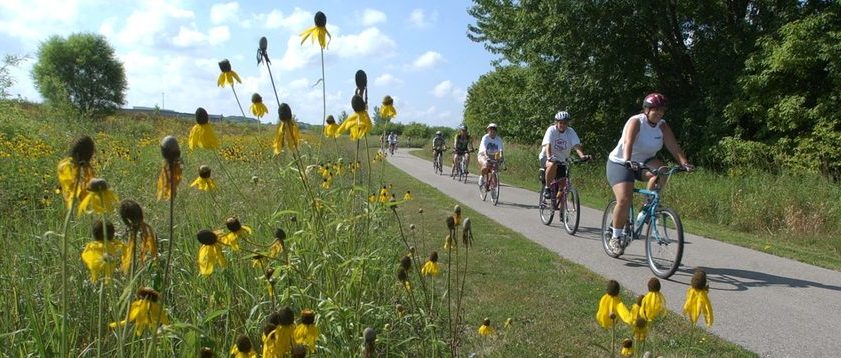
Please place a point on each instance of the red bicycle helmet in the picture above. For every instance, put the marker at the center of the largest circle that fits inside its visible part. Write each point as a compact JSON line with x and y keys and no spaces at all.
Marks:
{"x":654,"y":100}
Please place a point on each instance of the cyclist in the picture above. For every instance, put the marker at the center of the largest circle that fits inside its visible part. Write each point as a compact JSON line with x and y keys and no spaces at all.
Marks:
{"x":460,"y":147}
{"x":438,"y":145}
{"x":558,"y":141}
{"x":489,"y":147}
{"x":643,"y":136}
{"x":392,"y":142}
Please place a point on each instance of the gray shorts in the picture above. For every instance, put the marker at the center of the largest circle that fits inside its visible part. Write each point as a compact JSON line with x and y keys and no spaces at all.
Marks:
{"x":618,"y":173}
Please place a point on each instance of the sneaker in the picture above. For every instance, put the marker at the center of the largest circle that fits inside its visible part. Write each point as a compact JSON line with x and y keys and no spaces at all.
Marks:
{"x":616,"y":247}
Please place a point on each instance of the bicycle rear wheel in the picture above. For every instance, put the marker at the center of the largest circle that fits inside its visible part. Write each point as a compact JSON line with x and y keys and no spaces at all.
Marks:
{"x":664,"y":243}
{"x":547,"y":208}
{"x":495,"y":188}
{"x":571,"y":211}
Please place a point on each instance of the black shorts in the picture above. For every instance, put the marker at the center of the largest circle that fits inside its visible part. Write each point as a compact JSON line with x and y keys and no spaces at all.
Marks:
{"x":619,"y":173}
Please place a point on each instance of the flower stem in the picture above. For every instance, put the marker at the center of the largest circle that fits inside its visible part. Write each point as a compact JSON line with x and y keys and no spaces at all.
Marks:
{"x":323,"y":92}
{"x":64,"y":348}
{"x":237,"y":98}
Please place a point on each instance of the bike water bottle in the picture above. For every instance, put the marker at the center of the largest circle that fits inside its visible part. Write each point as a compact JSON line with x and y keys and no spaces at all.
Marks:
{"x":640,"y":218}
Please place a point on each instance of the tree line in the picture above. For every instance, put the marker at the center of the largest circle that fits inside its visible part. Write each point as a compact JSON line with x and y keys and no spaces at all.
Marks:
{"x":749,"y":82}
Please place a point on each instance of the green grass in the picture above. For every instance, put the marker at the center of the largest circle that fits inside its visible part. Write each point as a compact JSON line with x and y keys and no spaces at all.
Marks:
{"x":793,"y":215}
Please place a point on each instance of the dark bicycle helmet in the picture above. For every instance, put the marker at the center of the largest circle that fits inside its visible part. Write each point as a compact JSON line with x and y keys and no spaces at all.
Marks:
{"x":654,"y":100}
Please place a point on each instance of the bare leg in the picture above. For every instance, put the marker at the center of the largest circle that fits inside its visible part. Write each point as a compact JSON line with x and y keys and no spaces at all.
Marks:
{"x":623,"y":192}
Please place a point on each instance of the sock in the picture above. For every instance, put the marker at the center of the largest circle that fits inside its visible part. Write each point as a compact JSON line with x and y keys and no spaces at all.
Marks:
{"x":617,"y":232}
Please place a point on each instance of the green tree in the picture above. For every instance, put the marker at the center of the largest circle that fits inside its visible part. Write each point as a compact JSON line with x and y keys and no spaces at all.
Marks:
{"x":83,"y":71}
{"x":6,"y":79}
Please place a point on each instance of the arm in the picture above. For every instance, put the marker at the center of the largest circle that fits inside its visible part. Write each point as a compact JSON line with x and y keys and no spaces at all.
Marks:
{"x":629,"y":135}
{"x":672,"y":145}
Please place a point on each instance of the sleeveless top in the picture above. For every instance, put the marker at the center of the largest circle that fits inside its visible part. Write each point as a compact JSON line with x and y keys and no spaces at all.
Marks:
{"x":648,"y":142}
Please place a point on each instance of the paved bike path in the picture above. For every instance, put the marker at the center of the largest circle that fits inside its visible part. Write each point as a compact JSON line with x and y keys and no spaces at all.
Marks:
{"x":773,"y":306}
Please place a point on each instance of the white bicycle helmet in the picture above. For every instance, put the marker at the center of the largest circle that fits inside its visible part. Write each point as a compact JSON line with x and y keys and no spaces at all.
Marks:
{"x":492,"y":125}
{"x":562,"y":116}
{"x":438,"y":133}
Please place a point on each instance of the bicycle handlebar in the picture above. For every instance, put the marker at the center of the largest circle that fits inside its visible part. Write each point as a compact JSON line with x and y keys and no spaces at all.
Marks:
{"x":663,"y":170}
{"x":572,"y":160}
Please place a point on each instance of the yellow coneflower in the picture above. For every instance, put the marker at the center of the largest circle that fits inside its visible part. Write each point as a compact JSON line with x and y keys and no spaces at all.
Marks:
{"x":258,"y":260}
{"x":384,"y":195}
{"x":69,"y":168}
{"x":697,"y":300}
{"x":358,"y":123}
{"x":609,"y":305}
{"x":132,"y":216}
{"x":210,"y":253}
{"x":654,"y":303}
{"x":204,"y":182}
{"x":408,"y":196}
{"x":284,"y":320}
{"x":228,"y":75}
{"x":306,"y":332}
{"x":318,"y":32}
{"x":327,"y":182}
{"x":100,"y":256}
{"x":387,"y":111}
{"x":100,"y":199}
{"x":431,"y":267}
{"x":339,"y":167}
{"x":270,"y":281}
{"x":258,"y":108}
{"x":279,"y":243}
{"x":287,"y":134}
{"x":331,"y":129}
{"x":269,"y":340}
{"x":372,"y":198}
{"x":457,"y":214}
{"x":630,"y":316}
{"x":145,"y":312}
{"x":640,"y":328}
{"x":403,"y":277}
{"x":236,"y":231}
{"x":243,"y":348}
{"x":323,"y":170}
{"x":485,"y":329}
{"x":627,"y":348}
{"x":355,"y":166}
{"x":170,"y":175}
{"x":202,"y":134}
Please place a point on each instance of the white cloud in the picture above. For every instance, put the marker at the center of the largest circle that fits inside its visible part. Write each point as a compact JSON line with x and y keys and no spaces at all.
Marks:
{"x":419,"y":19}
{"x":428,"y":60}
{"x":370,"y":41}
{"x":372,"y":17}
{"x":387,"y":80}
{"x":37,"y":19}
{"x":296,"y":22}
{"x":188,"y":37}
{"x":443,"y":89}
{"x":218,"y":35}
{"x":156,"y":22}
{"x":226,"y":12}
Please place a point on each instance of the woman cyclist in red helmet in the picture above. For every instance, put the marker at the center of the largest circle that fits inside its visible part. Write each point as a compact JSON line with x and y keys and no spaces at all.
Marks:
{"x":642,"y":137}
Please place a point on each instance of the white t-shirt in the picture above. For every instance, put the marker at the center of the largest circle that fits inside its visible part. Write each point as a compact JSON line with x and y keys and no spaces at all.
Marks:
{"x":649,"y":141}
{"x":490,"y":146}
{"x":392,"y":138}
{"x":561,"y":142}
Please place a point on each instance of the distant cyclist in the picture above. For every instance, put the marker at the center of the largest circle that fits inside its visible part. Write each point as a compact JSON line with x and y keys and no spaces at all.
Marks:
{"x":489,"y":148}
{"x":461,"y":145}
{"x":558,"y":141}
{"x":392,"y":142}
{"x":438,"y":143}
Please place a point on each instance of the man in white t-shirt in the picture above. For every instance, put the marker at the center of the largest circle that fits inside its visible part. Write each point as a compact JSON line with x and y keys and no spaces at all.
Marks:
{"x":559,"y":140}
{"x":489,"y":147}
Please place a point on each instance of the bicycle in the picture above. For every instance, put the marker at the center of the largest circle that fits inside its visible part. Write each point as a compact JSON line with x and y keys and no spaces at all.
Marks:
{"x":392,"y":147}
{"x":459,"y":171}
{"x":662,"y":227}
{"x":562,"y":197}
{"x":437,"y":164}
{"x":492,"y":185}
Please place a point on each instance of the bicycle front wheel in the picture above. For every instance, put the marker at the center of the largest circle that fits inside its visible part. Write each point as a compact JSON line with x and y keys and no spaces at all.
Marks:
{"x":547,"y":208}
{"x":483,"y":194}
{"x":664,"y":243}
{"x":495,"y":188}
{"x":571,"y":211}
{"x":607,"y":231}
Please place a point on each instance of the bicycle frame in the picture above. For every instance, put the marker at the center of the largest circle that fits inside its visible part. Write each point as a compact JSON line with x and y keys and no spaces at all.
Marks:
{"x":653,"y":197}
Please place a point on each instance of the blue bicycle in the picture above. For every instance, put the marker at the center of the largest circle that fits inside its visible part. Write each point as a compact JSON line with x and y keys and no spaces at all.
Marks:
{"x":659,"y":226}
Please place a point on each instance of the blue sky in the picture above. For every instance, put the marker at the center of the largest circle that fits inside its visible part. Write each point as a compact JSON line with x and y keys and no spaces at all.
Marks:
{"x":415,"y":51}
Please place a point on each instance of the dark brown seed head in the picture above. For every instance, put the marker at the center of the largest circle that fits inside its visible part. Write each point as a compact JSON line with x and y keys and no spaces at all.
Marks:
{"x":287,"y":317}
{"x":654,"y":284}
{"x":148,"y":293}
{"x":244,"y":344}
{"x":361,"y":79}
{"x":225,"y":65}
{"x":284,"y":112}
{"x":268,"y":328}
{"x":612,"y":288}
{"x":399,"y":308}
{"x":330,"y":119}
{"x":640,"y":323}
{"x":307,"y":316}
{"x":369,"y":334}
{"x":299,"y":351}
{"x":206,"y":352}
{"x":206,"y":237}
{"x":699,"y":279}
{"x":98,"y":232}
{"x":486,"y":322}
{"x":357,"y":103}
{"x":97,"y":185}
{"x":274,"y":319}
{"x":201,"y":116}
{"x":204,"y":171}
{"x":402,"y":275}
{"x":256,"y":98}
{"x":451,"y":223}
{"x":233,"y":224}
{"x":627,"y":343}
{"x":433,"y":256}
{"x":388,"y":101}
{"x":269,"y":272}
{"x":131,"y":213}
{"x":406,"y":262}
{"x":264,"y":43}
{"x":82,"y":150}
{"x":279,"y":234}
{"x":320,"y":19}
{"x":170,"y":149}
